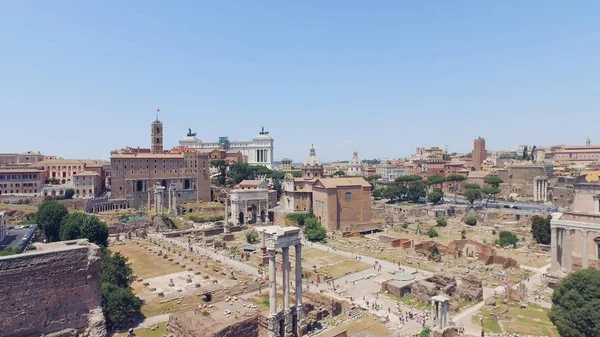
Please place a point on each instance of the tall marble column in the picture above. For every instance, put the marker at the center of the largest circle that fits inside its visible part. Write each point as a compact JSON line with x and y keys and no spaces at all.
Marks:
{"x":569,"y":250}
{"x":273,"y":320}
{"x":584,"y":249}
{"x":272,"y":284}
{"x":285,"y":254}
{"x":299,"y":310}
{"x":554,"y":250}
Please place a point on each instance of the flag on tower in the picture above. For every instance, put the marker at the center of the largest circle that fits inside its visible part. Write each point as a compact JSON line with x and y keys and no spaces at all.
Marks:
{"x":157,"y":110}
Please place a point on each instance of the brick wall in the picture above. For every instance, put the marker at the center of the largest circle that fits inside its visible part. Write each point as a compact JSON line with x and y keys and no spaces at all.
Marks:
{"x":45,"y":292}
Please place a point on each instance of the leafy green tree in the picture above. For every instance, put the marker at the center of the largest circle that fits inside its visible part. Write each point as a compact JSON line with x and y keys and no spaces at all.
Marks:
{"x":506,"y":239}
{"x":525,"y":154}
{"x":392,"y":192}
{"x":441,"y":221}
{"x":493,"y":181}
{"x":251,"y":236}
{"x":80,"y":225}
{"x":436,"y":180}
{"x":540,"y":229}
{"x":373,"y":178}
{"x":49,"y":216}
{"x":276,"y":175}
{"x":416,"y":189}
{"x":239,"y":172}
{"x":471,"y":220}
{"x":120,"y":305}
{"x":473,"y":186}
{"x":69,"y":193}
{"x":432,"y":233}
{"x":377,"y":194}
{"x":314,"y":231}
{"x":339,"y":173}
{"x":404,"y":180}
{"x":435,"y":196}
{"x":490,"y":192}
{"x":473,"y":194}
{"x":221,"y":165}
{"x":262,"y":170}
{"x":296,"y":174}
{"x":575,"y":304}
{"x":116,"y":269}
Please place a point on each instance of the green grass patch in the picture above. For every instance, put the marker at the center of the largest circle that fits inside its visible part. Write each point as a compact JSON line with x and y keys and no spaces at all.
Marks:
{"x":409,"y":300}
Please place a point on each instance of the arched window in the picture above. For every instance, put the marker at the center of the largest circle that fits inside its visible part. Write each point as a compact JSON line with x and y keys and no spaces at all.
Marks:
{"x":348,"y":195}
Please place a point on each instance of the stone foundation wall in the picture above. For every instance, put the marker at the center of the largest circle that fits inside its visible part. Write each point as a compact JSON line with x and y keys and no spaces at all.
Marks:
{"x":47,"y":292}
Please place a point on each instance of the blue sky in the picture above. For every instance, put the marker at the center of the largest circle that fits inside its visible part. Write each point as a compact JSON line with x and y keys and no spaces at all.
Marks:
{"x":78,"y":79}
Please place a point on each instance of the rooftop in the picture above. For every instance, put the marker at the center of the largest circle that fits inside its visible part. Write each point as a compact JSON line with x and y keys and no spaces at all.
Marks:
{"x":343,"y":181}
{"x":59,"y":161}
{"x":20,"y":170}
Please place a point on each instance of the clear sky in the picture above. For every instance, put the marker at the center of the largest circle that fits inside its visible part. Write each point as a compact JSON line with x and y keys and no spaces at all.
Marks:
{"x":80,"y":78}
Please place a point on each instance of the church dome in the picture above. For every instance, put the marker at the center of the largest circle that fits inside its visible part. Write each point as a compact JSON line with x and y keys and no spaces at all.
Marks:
{"x":355,"y":161}
{"x":312,"y":159}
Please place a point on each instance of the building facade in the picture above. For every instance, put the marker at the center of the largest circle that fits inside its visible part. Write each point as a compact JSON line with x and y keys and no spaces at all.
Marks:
{"x":22,"y":181}
{"x":87,"y":184}
{"x":3,"y":226}
{"x":134,"y":173}
{"x":568,"y":155}
{"x":26,"y":158}
{"x":258,"y":151}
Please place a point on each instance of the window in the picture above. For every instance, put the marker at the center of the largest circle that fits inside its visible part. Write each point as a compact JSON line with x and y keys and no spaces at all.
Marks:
{"x":348,"y":196}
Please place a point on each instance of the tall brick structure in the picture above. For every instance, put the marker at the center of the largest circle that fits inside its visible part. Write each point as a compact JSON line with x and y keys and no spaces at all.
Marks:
{"x":479,"y":153}
{"x":55,"y":288}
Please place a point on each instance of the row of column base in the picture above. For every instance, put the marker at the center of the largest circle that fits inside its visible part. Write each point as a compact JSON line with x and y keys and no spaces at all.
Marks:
{"x":286,"y":324}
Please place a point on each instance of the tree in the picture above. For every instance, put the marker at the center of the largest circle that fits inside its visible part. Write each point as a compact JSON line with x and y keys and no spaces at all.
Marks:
{"x":455,"y":179}
{"x":120,"y":305}
{"x":473,"y":186}
{"x":432,"y":233}
{"x":404,"y":180}
{"x":416,"y":190}
{"x":239,"y":172}
{"x":435,"y":196}
{"x":80,"y":225}
{"x":525,"y":155}
{"x":8,"y":250}
{"x":377,"y":194}
{"x":69,"y":193}
{"x":575,"y":304}
{"x":277,"y":186}
{"x":49,"y":217}
{"x":489,"y":192}
{"x":314,"y":231}
{"x":493,"y":181}
{"x":251,"y":236}
{"x":441,"y":221}
{"x":373,"y":178}
{"x":339,"y":173}
{"x":471,"y":220}
{"x":532,"y":155}
{"x":506,"y":239}
{"x":436,"y":180}
{"x":221,"y":166}
{"x":463,"y":233}
{"x":540,"y":229}
{"x":391,"y":192}
{"x":116,"y":269}
{"x":473,"y":194}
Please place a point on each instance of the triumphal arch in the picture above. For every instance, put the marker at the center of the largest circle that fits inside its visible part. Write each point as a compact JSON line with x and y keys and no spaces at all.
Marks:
{"x":249,"y":206}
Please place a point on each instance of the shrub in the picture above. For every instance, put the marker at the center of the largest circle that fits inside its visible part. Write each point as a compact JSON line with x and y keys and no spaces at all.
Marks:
{"x":471,"y":220}
{"x":433,"y":233}
{"x":463,"y":234}
{"x":507,"y":239}
{"x":251,"y":236}
{"x":69,"y":193}
{"x":441,"y":221}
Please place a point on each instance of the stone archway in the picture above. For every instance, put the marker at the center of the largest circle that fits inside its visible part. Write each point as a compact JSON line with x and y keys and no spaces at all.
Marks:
{"x":253,"y":213}
{"x":241,"y":218}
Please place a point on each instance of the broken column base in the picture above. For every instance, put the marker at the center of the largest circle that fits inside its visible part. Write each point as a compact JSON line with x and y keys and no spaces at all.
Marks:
{"x":228,"y":237}
{"x":274,"y":325}
{"x":445,"y":332}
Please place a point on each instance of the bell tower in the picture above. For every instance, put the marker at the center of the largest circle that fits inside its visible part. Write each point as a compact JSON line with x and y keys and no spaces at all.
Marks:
{"x":157,"y":137}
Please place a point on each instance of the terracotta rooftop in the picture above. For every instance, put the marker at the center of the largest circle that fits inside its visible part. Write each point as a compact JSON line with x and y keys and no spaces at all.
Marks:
{"x":343,"y":181}
{"x":86,"y":174}
{"x":250,"y":182}
{"x":20,"y":170}
{"x":478,"y":174}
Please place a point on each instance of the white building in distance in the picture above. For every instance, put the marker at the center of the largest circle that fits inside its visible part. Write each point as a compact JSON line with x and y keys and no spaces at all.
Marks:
{"x":258,"y":151}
